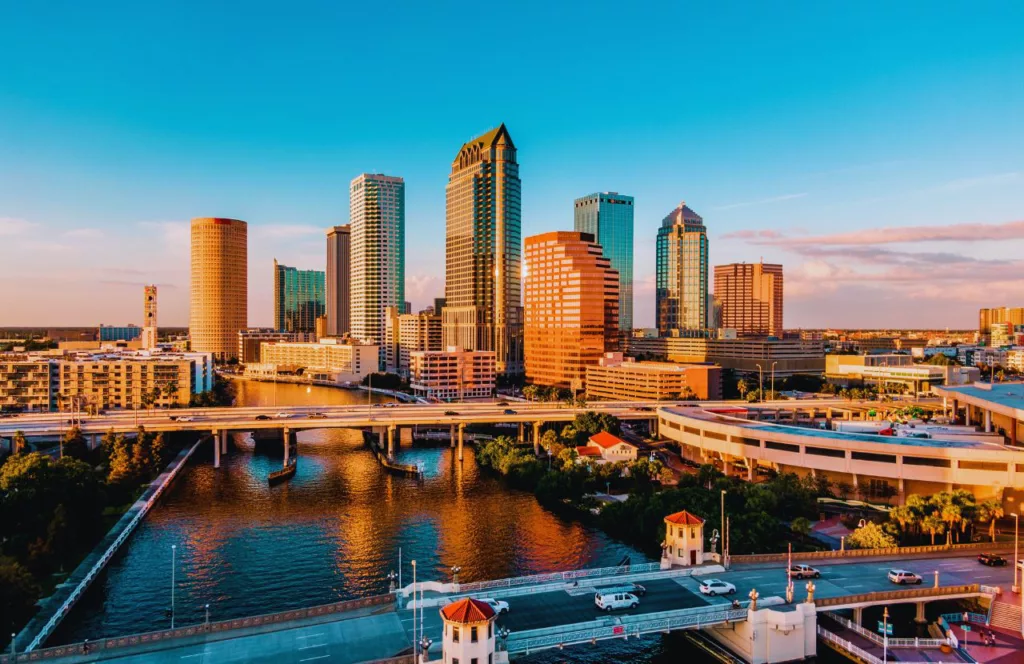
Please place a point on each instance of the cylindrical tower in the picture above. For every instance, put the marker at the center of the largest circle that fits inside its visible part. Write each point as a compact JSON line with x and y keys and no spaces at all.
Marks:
{"x":468,"y":632}
{"x":149,"y":324}
{"x":219,"y":304}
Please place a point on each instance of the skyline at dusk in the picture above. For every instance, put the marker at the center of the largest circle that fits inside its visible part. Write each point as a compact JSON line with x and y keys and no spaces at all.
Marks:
{"x":875,"y":153}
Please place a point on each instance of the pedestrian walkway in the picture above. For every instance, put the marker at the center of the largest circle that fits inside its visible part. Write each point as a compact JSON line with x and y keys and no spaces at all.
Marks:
{"x":1007,"y":649}
{"x":874,"y":648}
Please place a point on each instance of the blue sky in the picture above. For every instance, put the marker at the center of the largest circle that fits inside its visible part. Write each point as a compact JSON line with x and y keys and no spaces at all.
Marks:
{"x":876,"y":151}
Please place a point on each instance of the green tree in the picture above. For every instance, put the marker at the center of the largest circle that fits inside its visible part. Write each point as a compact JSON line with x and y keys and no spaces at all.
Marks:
{"x":801,"y":526}
{"x":19,"y":444}
{"x":74,"y":444}
{"x":122,"y":468}
{"x":905,"y":517}
{"x":870,"y":536}
{"x":18,"y":593}
{"x":742,"y":386}
{"x":933,"y":524}
{"x":530,"y":392}
{"x":989,"y":511}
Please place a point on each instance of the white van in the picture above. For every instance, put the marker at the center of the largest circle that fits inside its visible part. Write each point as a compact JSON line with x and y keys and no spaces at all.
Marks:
{"x":606,"y":601}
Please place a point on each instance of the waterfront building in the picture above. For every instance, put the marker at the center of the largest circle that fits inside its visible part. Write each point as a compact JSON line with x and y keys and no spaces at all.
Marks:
{"x":338,"y":280}
{"x":135,"y":380}
{"x":377,"y":209}
{"x":684,"y":541}
{"x":150,"y":335}
{"x":619,"y":378}
{"x":483,"y":251}
{"x":789,"y":356}
{"x":329,"y":359}
{"x":250,"y":341}
{"x":468,"y":633}
{"x":750,"y":296}
{"x":28,"y":382}
{"x":453,"y":374}
{"x":681,"y":275}
{"x":608,"y":216}
{"x":118,"y":333}
{"x":882,"y":370}
{"x":406,"y":334}
{"x":299,"y":298}
{"x":219,"y":285}
{"x":604,"y":447}
{"x":572,"y":307}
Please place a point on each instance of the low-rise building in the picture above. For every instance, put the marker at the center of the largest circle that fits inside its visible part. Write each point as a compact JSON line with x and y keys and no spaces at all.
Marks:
{"x":250,"y":341}
{"x":453,"y":374}
{"x":405,"y":334}
{"x":27,"y":383}
{"x":892,"y":368}
{"x":604,"y":447}
{"x":790,"y":356}
{"x":619,"y":378}
{"x":119,"y":332}
{"x":329,"y":359}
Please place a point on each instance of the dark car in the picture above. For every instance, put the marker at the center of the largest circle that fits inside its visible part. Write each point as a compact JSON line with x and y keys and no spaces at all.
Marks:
{"x":991,"y":559}
{"x":645,"y":409}
{"x":450,"y":412}
{"x":502,"y":403}
{"x":263,"y":417}
{"x":509,"y":411}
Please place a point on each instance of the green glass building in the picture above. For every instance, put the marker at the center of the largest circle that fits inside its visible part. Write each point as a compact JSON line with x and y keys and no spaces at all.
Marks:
{"x":682,"y":275}
{"x":608,"y":216}
{"x":299,"y":298}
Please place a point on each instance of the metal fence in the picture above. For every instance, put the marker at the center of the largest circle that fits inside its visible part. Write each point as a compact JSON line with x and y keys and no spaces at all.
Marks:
{"x":859,"y":653}
{"x":222,"y":627}
{"x":897,"y":595}
{"x":554,"y":577}
{"x":877,"y":639}
{"x":859,"y":553}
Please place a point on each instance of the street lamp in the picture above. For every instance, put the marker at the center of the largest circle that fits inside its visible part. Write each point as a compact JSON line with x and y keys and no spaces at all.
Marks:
{"x":414,"y":606}
{"x":455,"y":574}
{"x":722,"y":525}
{"x":885,"y":635}
{"x":760,"y":382}
{"x":773,"y":379}
{"x":174,"y":554}
{"x":1016,"y":539}
{"x":207,"y":607}
{"x":425,"y":644}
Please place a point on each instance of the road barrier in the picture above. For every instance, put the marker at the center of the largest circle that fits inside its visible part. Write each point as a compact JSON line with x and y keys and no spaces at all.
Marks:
{"x":893,"y":642}
{"x":858,"y":653}
{"x":859,"y":553}
{"x":898,"y":595}
{"x":573,"y":575}
{"x":223,"y":628}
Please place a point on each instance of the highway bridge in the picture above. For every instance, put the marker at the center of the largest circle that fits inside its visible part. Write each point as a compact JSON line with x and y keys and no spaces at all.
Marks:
{"x":547,"y":611}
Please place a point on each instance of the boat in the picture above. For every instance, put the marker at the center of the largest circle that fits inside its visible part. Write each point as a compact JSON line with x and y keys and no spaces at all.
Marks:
{"x":279,"y":476}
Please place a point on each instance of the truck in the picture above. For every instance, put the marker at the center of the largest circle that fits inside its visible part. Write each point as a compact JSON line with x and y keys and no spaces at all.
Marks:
{"x":877,"y":428}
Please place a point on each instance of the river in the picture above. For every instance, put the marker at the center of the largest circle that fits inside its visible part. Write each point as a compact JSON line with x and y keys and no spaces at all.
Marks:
{"x":332,"y":533}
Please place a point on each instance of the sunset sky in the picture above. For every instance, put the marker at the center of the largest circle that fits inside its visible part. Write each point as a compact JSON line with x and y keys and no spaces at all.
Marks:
{"x":876,"y":150}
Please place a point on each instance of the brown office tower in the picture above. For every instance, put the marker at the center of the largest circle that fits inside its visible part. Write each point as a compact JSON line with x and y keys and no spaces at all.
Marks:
{"x":219,"y":306}
{"x":338,"y":289}
{"x":483,"y":250}
{"x":572,"y":307}
{"x":751,"y":298}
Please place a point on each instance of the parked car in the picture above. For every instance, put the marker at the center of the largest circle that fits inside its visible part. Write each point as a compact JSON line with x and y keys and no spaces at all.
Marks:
{"x":610,"y":601}
{"x":282,"y":415}
{"x":317,"y":416}
{"x":450,"y":412}
{"x":263,"y":417}
{"x":632,"y":588}
{"x":904,"y":577}
{"x":509,"y":411}
{"x":498,"y":605}
{"x":991,"y":559}
{"x":804,"y":572}
{"x":716,"y":587}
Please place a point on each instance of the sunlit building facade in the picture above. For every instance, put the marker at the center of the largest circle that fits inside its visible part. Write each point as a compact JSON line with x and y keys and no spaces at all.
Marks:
{"x":299,"y":298}
{"x":750,"y":295}
{"x":681,"y":297}
{"x":453,"y":374}
{"x":572,"y":307}
{"x":219,"y":305}
{"x":608,"y":216}
{"x":483,"y":251}
{"x":338,"y":287}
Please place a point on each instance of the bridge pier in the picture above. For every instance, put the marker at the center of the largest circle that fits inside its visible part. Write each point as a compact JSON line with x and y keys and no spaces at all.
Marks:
{"x":462,"y":430}
{"x":451,"y":438}
{"x":858,"y":616}
{"x":536,"y":438}
{"x":919,"y":616}
{"x":223,"y":441}
{"x":391,"y":441}
{"x":216,"y":448}
{"x":521,"y":438}
{"x":287,"y":436}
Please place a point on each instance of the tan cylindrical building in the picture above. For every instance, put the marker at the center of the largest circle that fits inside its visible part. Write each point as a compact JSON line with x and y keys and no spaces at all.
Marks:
{"x":220,"y":285}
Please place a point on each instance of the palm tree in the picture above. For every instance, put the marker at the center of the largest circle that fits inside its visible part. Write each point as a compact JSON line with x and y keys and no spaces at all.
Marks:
{"x":949,"y":511}
{"x":934,"y":524}
{"x":742,"y":387}
{"x":905,"y":516}
{"x":991,"y":510}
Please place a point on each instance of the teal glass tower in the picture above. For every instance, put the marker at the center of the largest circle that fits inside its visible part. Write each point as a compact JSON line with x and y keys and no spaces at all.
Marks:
{"x":299,"y":298}
{"x":682,"y":274}
{"x":608,"y":216}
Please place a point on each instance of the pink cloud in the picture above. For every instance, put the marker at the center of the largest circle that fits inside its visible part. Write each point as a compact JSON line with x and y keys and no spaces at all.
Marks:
{"x":966,"y":232}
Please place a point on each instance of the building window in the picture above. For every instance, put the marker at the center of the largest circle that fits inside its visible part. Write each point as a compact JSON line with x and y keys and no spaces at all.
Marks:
{"x":472,"y":635}
{"x":455,"y":634}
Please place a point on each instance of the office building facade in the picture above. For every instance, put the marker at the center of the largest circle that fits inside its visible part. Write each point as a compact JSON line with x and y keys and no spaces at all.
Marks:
{"x":453,"y":374}
{"x":406,"y":334}
{"x":608,"y":216}
{"x":119,"y":333}
{"x":338,"y":286}
{"x":377,"y":209}
{"x":329,"y":359}
{"x":750,"y":295}
{"x":299,"y":298}
{"x":618,"y":378}
{"x":681,"y":296}
{"x":483,"y":251}
{"x":219,"y":285}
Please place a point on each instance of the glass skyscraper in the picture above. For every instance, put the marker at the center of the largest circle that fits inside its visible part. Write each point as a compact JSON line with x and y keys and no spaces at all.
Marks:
{"x":299,"y":298}
{"x":608,"y":216}
{"x":377,"y":253}
{"x":682,"y":274}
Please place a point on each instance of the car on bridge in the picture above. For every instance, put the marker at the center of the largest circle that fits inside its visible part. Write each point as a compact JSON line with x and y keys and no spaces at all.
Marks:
{"x":509,"y":411}
{"x":714,"y":587}
{"x":282,"y":415}
{"x":633,"y":588}
{"x":804,"y":572}
{"x":317,"y":416}
{"x":991,"y":559}
{"x":450,"y":412}
{"x":904,"y":577}
{"x":183,"y":418}
{"x":497,"y":605}
{"x":263,"y":417}
{"x":615,"y":600}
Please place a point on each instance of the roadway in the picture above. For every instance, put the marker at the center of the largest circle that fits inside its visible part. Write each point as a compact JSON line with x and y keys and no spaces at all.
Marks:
{"x":355,"y":416}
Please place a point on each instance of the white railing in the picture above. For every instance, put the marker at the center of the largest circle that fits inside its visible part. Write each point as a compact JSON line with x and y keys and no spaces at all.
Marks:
{"x":84,"y":584}
{"x":877,"y":640}
{"x":860,"y":653}
{"x":468,"y":588}
{"x":991,"y":590}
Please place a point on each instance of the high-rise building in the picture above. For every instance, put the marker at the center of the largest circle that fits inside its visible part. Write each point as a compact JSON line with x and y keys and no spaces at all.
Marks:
{"x":608,"y":216}
{"x":751,"y":298}
{"x":339,"y":265}
{"x":1012,"y":316}
{"x":408,"y":333}
{"x":299,"y":298}
{"x":572,"y":308}
{"x":377,"y":208}
{"x":220,"y":285}
{"x":483,"y":289}
{"x":149,"y":324}
{"x":681,"y":296}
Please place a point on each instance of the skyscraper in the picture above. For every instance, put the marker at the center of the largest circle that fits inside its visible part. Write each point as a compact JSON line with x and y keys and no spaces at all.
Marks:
{"x":299,"y":298}
{"x":572,"y":307}
{"x":338,"y":284}
{"x":751,"y":298}
{"x":220,"y":285}
{"x":483,"y":289}
{"x":377,"y":210}
{"x":149,"y":324}
{"x":681,"y":296}
{"x":608,"y":216}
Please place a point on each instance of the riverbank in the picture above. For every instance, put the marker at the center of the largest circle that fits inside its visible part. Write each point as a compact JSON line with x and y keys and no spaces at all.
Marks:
{"x":53,"y":608}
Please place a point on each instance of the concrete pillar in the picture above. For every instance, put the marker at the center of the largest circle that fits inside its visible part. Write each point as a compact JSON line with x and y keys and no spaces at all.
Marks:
{"x":380,"y":439}
{"x":654,"y":428}
{"x":858,"y":616}
{"x":521,"y":439}
{"x":726,"y":467}
{"x":856,"y":483}
{"x":216,"y":449}
{"x":988,"y":421}
{"x":462,"y":429}
{"x":919,"y":617}
{"x":750,"y":469}
{"x":451,"y":437}
{"x":287,"y":436}
{"x":967,"y":414}
{"x":536,"y":438}
{"x":95,"y":441}
{"x":224,"y":442}
{"x":391,"y":441}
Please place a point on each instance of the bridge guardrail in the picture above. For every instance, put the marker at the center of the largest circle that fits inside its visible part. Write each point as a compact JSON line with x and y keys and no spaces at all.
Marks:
{"x":469,"y":588}
{"x":876,"y":639}
{"x":858,"y":553}
{"x":898,"y":595}
{"x":221,"y":626}
{"x":849,"y":647}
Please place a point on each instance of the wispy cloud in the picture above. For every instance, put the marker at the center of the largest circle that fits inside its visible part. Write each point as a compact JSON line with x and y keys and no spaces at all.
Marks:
{"x":754,"y":235}
{"x":175,"y":234}
{"x":14,"y":226}
{"x":969,"y":232}
{"x":979,"y":181}
{"x":763,"y":201}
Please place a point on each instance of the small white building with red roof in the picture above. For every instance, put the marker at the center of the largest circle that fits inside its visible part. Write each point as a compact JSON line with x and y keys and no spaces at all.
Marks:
{"x":684,"y":540}
{"x":468,"y":634}
{"x":604,"y":447}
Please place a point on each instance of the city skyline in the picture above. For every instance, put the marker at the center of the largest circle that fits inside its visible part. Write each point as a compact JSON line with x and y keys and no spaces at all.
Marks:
{"x":888,"y":206}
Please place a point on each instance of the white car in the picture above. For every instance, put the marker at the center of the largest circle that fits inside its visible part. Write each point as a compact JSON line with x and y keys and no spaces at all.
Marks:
{"x":185,"y":418}
{"x":282,"y":415}
{"x":499,"y":606}
{"x":716,"y":587}
{"x":904,"y":577}
{"x":615,"y":600}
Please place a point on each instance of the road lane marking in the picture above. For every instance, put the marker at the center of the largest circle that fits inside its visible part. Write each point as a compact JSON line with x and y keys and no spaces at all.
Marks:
{"x":313,"y":645}
{"x":310,"y":659}
{"x":306,"y":636}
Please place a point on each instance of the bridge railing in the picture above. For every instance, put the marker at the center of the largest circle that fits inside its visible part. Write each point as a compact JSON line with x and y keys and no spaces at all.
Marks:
{"x":898,"y":595}
{"x":859,"y":553}
{"x":156,"y":640}
{"x":877,"y":639}
{"x":857,"y":652}
{"x":624,"y":627}
{"x":554,"y":577}
{"x":952,"y":618}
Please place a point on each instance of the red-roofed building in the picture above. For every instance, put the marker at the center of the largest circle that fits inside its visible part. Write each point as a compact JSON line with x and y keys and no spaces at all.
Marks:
{"x":684,"y":540}
{"x":468,"y":634}
{"x":612,"y":447}
{"x":588,"y":452}
{"x":467,"y":611}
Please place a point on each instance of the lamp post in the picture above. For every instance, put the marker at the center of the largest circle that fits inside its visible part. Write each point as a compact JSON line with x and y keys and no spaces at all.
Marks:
{"x":885,"y":635}
{"x":773,"y":379}
{"x":414,"y":607}
{"x":207,"y":607}
{"x":1016,"y":540}
{"x":174,"y":555}
{"x":722,"y":525}
{"x":455,"y":574}
{"x":760,"y":382}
